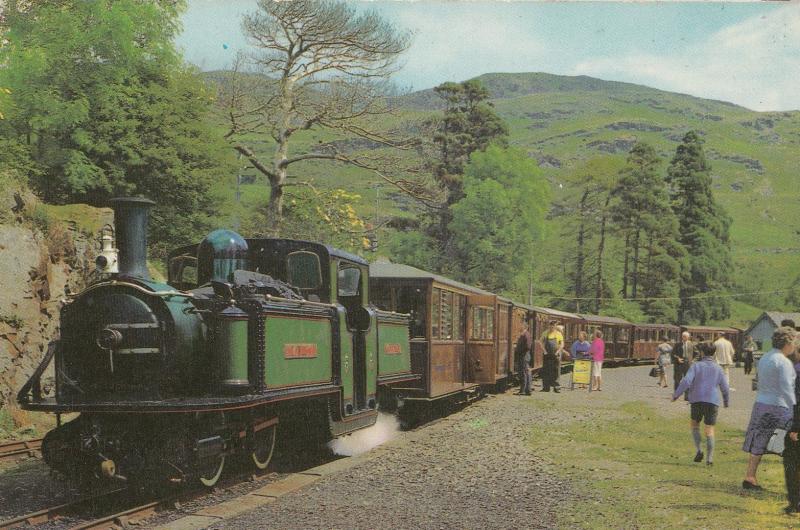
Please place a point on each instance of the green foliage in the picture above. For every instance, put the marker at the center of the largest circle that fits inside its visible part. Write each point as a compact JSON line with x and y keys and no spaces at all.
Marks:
{"x":704,"y":233}
{"x":469,"y":124}
{"x":497,"y":224}
{"x":414,"y":248}
{"x":312,"y":215}
{"x":103,"y":106}
{"x":645,"y":219}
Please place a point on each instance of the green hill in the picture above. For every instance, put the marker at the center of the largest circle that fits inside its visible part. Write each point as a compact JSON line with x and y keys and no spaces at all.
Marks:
{"x":565,"y":122}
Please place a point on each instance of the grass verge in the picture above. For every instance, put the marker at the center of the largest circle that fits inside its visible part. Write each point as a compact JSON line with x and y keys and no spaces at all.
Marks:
{"x":632,"y":468}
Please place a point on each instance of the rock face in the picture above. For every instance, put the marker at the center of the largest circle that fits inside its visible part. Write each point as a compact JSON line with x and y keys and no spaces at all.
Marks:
{"x":34,"y":278}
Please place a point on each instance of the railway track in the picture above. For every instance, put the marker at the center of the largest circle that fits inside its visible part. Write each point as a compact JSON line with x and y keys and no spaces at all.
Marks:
{"x":21,"y":449}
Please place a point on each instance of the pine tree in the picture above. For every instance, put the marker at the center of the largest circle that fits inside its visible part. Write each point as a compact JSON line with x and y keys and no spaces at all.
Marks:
{"x":468,"y":124}
{"x":704,"y":232}
{"x":643,"y":215}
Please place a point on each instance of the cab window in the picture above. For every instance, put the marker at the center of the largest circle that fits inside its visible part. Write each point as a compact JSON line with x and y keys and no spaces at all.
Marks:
{"x":304,"y":270}
{"x":183,"y":272}
{"x":349,"y":282}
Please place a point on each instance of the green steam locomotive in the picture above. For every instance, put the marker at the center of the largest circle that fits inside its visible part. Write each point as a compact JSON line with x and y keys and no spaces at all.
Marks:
{"x":247,"y":337}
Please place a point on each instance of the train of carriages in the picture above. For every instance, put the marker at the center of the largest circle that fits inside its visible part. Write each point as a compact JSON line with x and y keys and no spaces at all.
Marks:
{"x":170,"y":380}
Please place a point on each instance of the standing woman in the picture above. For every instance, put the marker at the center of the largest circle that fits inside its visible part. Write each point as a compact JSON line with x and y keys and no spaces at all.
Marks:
{"x":664,"y":351}
{"x":580,"y":348}
{"x":598,"y":352}
{"x":774,"y":402}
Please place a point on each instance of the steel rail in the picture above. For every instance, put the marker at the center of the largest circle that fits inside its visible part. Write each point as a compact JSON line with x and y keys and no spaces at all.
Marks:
{"x":21,"y":448}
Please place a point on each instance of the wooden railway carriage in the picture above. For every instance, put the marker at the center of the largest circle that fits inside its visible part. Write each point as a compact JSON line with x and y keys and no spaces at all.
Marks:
{"x":710,"y":333}
{"x":646,"y":338}
{"x":616,"y":334}
{"x":455,"y":330}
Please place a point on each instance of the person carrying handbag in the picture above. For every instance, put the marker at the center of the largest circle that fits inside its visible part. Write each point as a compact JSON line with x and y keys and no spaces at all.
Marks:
{"x":664,"y":359}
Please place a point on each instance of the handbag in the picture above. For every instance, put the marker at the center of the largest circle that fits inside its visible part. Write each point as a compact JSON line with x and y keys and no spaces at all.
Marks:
{"x":776,"y":444}
{"x":653,"y":372}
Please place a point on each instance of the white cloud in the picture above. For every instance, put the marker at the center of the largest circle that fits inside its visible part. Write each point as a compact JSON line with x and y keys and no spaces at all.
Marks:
{"x":755,"y":63}
{"x":460,"y":44}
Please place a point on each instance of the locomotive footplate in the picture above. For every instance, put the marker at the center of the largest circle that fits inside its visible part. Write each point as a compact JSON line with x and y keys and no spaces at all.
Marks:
{"x":209,"y":404}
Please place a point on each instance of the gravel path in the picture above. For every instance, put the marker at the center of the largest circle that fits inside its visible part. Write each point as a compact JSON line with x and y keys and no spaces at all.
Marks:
{"x":471,"y":469}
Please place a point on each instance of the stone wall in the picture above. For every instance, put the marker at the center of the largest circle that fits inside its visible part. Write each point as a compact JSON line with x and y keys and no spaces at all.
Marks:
{"x":41,"y":260}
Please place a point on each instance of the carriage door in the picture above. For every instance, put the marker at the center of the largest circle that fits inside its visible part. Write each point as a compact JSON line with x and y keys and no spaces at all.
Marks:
{"x":481,"y":350}
{"x":351,"y":293}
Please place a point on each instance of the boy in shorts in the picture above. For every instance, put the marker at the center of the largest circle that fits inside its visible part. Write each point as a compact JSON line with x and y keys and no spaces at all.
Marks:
{"x":701,"y":382}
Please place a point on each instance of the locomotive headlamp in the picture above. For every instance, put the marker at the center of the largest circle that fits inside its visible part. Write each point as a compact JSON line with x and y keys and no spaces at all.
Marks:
{"x":106,"y":261}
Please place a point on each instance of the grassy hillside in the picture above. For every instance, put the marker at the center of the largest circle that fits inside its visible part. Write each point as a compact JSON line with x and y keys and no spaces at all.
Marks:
{"x":569,"y":122}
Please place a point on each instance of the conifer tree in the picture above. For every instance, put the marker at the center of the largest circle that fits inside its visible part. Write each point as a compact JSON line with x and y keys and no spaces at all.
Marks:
{"x":703,"y":231}
{"x":643,"y":215}
{"x":468,"y":124}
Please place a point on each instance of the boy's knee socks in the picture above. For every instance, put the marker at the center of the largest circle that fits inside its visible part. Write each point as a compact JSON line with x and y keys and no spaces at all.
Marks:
{"x":710,"y":448}
{"x":696,"y":438}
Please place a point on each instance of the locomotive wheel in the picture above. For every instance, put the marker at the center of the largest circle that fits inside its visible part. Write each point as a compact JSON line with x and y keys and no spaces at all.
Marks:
{"x":211,"y":473}
{"x":264,"y":445}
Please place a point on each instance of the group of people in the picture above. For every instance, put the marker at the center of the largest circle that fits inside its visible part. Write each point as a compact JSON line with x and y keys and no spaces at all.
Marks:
{"x":687,"y":351}
{"x":775,"y":409}
{"x":553,"y":342}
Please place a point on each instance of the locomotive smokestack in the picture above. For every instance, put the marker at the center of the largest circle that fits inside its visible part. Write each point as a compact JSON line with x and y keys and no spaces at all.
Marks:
{"x":130,"y":220}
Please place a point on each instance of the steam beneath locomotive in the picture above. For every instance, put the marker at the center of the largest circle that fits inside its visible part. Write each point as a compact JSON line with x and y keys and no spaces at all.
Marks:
{"x":364,"y":440}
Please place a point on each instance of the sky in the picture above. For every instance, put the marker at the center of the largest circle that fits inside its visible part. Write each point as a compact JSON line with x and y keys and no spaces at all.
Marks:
{"x":745,"y":53}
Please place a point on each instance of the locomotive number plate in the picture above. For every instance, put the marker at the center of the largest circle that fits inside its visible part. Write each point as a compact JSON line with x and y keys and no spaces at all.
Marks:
{"x":392,"y":349}
{"x":299,"y":351}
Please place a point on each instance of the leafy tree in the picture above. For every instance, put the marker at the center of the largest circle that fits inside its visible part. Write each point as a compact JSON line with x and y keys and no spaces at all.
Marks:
{"x":703,"y":231}
{"x":104,"y":106}
{"x":316,"y":215}
{"x":468,"y":124}
{"x":321,"y":65}
{"x":499,"y":221}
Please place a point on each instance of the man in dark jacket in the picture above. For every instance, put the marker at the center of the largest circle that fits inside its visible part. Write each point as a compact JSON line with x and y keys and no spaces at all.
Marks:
{"x":682,"y":356}
{"x":523,"y":354}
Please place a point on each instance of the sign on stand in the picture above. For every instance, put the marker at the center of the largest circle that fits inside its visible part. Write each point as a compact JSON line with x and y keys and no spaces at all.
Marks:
{"x":581,"y":372}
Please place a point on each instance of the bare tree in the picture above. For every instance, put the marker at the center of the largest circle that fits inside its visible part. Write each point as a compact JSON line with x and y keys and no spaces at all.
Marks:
{"x":317,"y":65}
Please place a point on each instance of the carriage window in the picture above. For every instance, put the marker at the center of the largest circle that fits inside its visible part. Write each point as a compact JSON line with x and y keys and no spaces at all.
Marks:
{"x":477,"y":322}
{"x":349,"y":281}
{"x":623,"y":335}
{"x":447,"y":315}
{"x":435,"y":306}
{"x":458,"y":317}
{"x":489,"y":324}
{"x":305,"y":271}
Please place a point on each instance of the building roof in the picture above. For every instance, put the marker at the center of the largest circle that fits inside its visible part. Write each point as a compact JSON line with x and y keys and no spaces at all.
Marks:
{"x":775,"y":317}
{"x":400,"y":271}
